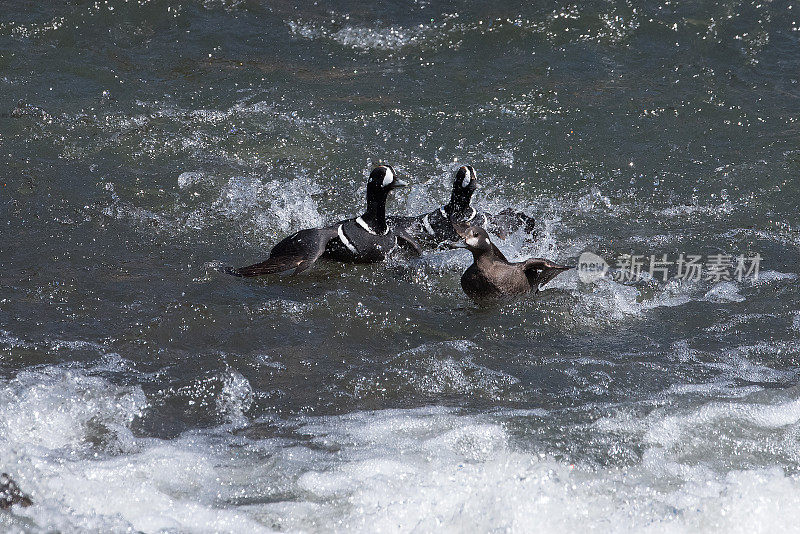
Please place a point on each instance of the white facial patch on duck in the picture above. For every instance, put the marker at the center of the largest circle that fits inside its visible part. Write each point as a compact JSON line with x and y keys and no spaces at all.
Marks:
{"x":466,"y":180}
{"x":388,"y":177}
{"x":473,"y":241}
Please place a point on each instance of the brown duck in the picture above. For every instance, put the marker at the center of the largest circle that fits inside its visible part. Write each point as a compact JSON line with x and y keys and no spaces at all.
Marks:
{"x":492,"y":278}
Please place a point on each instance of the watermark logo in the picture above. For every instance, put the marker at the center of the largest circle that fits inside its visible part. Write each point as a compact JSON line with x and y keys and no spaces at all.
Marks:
{"x":591,"y":267}
{"x":691,"y":267}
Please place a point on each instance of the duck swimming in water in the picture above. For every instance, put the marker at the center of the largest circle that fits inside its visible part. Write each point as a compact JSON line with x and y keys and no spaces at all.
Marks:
{"x":492,"y":278}
{"x":439,"y":226}
{"x":364,"y":239}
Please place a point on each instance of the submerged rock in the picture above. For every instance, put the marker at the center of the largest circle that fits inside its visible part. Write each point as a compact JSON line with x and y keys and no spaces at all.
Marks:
{"x":10,"y":494}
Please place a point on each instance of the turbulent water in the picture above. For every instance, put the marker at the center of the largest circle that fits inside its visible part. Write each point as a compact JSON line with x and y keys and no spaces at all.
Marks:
{"x":145,"y":143}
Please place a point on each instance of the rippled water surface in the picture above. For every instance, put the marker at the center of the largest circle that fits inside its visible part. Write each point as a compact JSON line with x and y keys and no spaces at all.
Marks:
{"x":145,"y":143}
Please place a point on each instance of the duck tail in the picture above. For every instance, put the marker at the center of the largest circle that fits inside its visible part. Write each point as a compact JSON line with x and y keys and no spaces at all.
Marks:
{"x":227,"y":269}
{"x":540,"y":271}
{"x":548,"y":273}
{"x":271,"y":266}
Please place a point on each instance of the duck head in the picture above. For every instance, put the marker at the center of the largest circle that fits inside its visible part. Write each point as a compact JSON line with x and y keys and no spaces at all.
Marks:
{"x":383,"y":179}
{"x":465,"y":182}
{"x":476,"y":240}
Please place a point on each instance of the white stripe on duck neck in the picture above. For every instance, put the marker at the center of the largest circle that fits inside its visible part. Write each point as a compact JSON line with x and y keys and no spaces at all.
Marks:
{"x":363,"y":224}
{"x":346,"y":242}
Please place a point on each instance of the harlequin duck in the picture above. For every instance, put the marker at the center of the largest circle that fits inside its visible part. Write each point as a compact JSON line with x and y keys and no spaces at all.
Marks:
{"x":365,"y":239}
{"x":492,"y":278}
{"x":439,"y":226}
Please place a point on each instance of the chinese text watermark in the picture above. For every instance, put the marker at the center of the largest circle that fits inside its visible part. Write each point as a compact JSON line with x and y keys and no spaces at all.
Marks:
{"x":690,"y":267}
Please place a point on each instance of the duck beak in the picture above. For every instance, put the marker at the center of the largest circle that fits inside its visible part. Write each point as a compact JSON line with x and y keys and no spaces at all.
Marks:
{"x":454,"y":244}
{"x":398,"y":183}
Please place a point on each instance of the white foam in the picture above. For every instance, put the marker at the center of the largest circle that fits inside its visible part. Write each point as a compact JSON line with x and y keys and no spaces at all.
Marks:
{"x":724,"y":292}
{"x":363,"y":38}
{"x":671,"y":430}
{"x":769,"y":276}
{"x":235,"y":399}
{"x":426,"y":469}
{"x":608,"y":301}
{"x":190,"y":178}
{"x":450,"y":367}
{"x":288,"y":309}
{"x":432,"y":470}
{"x":277,"y":206}
{"x":724,"y":388}
{"x":67,"y":438}
{"x":169,"y":486}
{"x":739,"y":362}
{"x":57,"y":408}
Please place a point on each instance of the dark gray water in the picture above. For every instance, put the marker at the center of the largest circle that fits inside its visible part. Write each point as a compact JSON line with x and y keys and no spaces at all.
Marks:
{"x":143,"y":143}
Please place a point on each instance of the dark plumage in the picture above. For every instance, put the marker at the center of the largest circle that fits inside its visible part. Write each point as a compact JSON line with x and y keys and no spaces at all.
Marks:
{"x":10,"y":494}
{"x":491,"y":277}
{"x":364,"y":239}
{"x":441,"y":225}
